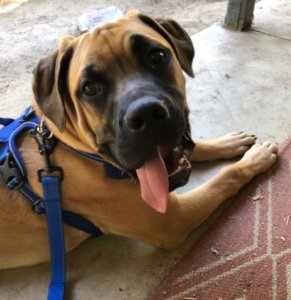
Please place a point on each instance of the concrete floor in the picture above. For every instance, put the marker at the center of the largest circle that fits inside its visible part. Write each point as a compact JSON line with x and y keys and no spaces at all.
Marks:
{"x":242,"y":83}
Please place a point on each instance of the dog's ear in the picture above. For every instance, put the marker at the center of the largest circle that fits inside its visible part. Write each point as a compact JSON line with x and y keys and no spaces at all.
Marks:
{"x":178,"y":39}
{"x":50,"y":83}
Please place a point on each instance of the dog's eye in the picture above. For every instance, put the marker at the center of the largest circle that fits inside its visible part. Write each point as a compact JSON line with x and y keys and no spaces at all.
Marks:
{"x":90,"y":88}
{"x":156,"y":57}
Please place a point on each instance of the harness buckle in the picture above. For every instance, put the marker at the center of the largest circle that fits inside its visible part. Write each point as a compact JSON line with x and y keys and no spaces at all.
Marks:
{"x":10,"y":173}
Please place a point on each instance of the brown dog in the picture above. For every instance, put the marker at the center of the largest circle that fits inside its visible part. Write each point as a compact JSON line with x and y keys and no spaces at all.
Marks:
{"x":119,"y":91}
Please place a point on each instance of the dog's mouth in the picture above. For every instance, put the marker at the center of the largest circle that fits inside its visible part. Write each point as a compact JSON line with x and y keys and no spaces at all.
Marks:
{"x":164,"y":172}
{"x":165,"y":169}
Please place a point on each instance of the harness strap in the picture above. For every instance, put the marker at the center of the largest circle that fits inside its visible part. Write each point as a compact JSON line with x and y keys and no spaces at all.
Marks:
{"x":72,"y":219}
{"x":52,"y":200}
{"x":6,"y":121}
{"x":36,"y":201}
{"x":80,"y":223}
{"x":110,"y":171}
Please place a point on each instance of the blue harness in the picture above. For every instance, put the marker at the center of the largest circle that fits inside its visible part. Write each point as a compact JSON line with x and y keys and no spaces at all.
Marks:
{"x":13,"y":173}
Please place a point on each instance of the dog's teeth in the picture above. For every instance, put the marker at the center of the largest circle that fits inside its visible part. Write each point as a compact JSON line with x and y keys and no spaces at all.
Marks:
{"x":181,"y":160}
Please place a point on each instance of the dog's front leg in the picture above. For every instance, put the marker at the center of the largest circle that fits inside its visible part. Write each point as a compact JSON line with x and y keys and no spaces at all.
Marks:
{"x":227,"y":146}
{"x":198,"y":204}
{"x":187,"y":211}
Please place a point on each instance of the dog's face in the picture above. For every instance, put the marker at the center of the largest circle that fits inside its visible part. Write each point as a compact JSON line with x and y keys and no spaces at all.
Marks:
{"x":121,"y":91}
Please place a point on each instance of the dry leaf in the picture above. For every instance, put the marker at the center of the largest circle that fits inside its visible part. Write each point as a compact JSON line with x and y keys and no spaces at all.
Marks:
{"x":258,"y":197}
{"x":214,"y":251}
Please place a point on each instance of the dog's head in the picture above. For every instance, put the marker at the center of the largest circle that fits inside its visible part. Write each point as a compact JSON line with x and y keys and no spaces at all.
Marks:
{"x":120,"y":91}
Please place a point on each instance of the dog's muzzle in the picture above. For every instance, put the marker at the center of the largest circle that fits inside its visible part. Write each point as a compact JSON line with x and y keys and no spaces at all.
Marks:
{"x":145,"y":124}
{"x":152,"y":142}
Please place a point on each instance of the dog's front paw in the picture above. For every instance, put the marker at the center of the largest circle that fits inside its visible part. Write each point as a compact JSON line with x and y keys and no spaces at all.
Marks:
{"x":233,"y":144}
{"x":259,"y":158}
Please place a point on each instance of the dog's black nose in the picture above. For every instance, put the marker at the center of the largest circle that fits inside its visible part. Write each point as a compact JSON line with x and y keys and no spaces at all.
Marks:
{"x":146,"y":113}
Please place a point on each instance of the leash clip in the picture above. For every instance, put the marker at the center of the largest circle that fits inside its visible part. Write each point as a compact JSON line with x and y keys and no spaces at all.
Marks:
{"x":44,"y":139}
{"x":46,"y":144}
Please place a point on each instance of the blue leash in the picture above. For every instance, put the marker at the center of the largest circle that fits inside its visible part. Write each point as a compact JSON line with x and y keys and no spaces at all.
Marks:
{"x":50,"y":177}
{"x":52,"y":200}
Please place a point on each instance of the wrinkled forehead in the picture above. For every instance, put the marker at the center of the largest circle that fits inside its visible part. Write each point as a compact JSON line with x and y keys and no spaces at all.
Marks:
{"x":112,"y":43}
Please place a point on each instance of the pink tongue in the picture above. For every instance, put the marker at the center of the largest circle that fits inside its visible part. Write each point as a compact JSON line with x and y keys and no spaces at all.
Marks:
{"x":154,"y":183}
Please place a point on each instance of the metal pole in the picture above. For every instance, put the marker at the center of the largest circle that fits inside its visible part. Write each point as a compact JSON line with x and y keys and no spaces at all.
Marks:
{"x":240,"y":14}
